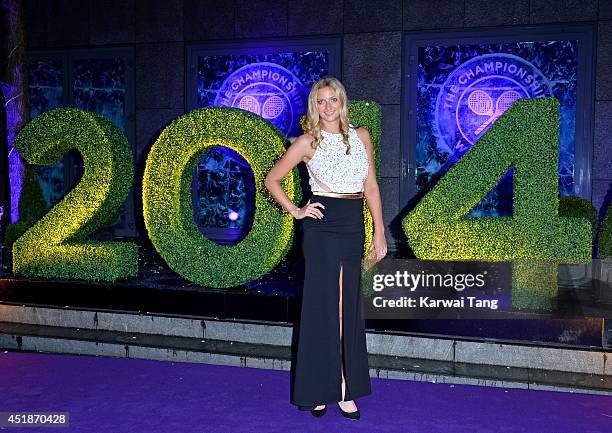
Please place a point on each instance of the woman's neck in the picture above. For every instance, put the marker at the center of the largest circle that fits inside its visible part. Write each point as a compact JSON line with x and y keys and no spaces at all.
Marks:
{"x":333,"y":127}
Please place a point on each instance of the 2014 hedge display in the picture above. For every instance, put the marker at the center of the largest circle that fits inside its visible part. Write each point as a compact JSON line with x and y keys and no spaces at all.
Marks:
{"x":525,"y":137}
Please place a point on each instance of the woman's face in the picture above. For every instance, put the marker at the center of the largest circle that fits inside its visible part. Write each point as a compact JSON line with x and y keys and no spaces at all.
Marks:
{"x":328,"y":104}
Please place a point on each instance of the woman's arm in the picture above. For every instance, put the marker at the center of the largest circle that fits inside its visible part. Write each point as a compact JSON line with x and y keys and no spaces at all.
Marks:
{"x":292,"y":157}
{"x":372,"y":195}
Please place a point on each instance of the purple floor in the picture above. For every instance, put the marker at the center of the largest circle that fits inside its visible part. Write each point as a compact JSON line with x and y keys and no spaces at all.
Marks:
{"x":105,"y":395}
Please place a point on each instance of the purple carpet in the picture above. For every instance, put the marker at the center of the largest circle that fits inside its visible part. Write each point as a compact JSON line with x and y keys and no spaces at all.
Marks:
{"x":110,"y":395}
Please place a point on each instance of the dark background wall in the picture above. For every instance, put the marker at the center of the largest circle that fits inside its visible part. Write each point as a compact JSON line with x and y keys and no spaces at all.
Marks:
{"x":371,"y":31}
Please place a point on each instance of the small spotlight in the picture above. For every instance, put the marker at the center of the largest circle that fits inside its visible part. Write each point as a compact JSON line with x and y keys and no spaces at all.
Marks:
{"x":233,"y":216}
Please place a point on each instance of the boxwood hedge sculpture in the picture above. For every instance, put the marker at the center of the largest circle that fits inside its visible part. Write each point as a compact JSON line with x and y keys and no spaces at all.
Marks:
{"x":167,"y":204}
{"x":56,"y":246}
{"x":525,"y":137}
{"x":605,"y":236}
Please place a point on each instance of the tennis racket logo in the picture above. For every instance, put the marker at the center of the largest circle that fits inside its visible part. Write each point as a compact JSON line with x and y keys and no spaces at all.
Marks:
{"x":481,"y":104}
{"x":476,"y":93}
{"x":271,"y":108}
{"x":267,"y":90}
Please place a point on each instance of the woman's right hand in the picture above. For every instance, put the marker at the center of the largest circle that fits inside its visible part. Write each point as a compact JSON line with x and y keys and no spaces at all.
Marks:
{"x":310,"y":210}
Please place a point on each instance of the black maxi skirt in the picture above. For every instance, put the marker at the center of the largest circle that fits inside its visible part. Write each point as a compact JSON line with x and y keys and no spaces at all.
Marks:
{"x":331,"y":242}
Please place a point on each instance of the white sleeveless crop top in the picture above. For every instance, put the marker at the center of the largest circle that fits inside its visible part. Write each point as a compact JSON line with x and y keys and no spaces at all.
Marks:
{"x":334,"y":168}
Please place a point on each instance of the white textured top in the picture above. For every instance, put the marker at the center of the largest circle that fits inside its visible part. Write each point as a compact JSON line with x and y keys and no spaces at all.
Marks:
{"x":334,"y":168}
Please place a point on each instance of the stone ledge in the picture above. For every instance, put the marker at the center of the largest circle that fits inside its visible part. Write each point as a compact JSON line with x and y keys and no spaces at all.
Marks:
{"x":21,"y":337}
{"x":541,"y":358}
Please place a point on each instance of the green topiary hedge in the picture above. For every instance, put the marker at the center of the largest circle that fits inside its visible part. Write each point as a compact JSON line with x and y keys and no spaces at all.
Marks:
{"x":55,"y":247}
{"x":526,"y":136}
{"x":605,"y":236}
{"x":167,"y":205}
{"x":32,"y":206}
{"x":578,"y":207}
{"x":536,"y":238}
{"x":14,"y":231}
{"x":368,"y":114}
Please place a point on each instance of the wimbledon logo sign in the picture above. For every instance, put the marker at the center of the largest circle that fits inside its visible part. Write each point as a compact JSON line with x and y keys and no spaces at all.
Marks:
{"x":266,"y":89}
{"x":479,"y":91}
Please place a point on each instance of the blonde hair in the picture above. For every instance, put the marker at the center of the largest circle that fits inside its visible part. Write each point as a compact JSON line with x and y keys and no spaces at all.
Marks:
{"x":313,"y":126}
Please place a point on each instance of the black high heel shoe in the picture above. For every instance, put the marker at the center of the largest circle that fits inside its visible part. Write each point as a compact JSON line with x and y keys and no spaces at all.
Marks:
{"x":318,"y":413}
{"x":350,"y":415}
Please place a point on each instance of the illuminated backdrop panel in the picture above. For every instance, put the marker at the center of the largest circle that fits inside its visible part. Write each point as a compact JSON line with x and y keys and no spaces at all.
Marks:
{"x":100,"y":87}
{"x":46,"y":84}
{"x":273,"y":85}
{"x":463,"y":89}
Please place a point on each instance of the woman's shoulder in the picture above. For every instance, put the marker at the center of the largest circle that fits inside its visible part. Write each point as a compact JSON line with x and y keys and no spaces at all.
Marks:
{"x":302,"y":143}
{"x":357,"y":128}
{"x":361,"y":131}
{"x":304,"y":138}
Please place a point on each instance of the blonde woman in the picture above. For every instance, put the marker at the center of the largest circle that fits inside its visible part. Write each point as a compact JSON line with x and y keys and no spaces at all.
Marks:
{"x":332,"y":359}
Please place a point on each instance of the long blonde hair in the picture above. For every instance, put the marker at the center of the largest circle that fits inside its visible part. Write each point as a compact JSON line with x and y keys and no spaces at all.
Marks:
{"x":313,"y":126}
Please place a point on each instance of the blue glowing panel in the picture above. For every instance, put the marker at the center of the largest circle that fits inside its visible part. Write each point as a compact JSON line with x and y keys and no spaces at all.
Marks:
{"x":220,"y":171}
{"x":99,"y":87}
{"x":275,"y":86}
{"x":46,"y":85}
{"x":463,"y":89}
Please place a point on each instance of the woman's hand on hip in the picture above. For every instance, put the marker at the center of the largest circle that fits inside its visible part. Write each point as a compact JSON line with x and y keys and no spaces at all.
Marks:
{"x":379,"y":243}
{"x":310,"y":210}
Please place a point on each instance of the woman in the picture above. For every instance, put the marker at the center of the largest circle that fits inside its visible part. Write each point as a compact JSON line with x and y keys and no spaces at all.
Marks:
{"x":332,"y":360}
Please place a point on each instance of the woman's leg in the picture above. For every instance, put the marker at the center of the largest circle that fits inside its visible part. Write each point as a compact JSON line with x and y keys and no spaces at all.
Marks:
{"x":332,"y":258}
{"x":348,"y":406}
{"x":315,"y":382}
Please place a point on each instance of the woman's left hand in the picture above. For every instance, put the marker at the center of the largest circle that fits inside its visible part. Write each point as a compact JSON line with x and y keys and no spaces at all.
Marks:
{"x":380,"y":245}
